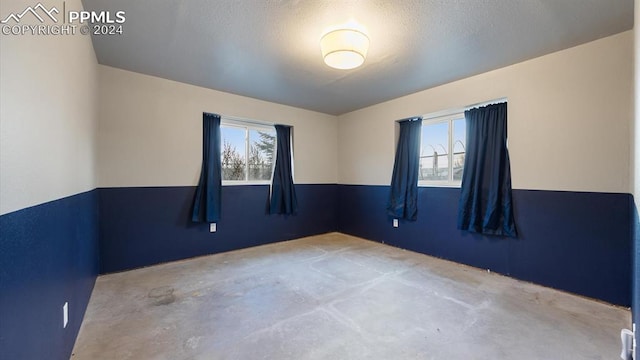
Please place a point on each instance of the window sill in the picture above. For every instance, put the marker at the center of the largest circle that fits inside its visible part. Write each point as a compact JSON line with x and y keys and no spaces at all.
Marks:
{"x":240,"y":183}
{"x":439,"y":184}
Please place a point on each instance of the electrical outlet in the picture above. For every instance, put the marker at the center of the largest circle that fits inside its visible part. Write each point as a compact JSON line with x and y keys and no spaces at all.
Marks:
{"x":65,"y":314}
{"x":212,"y":227}
{"x":395,"y":223}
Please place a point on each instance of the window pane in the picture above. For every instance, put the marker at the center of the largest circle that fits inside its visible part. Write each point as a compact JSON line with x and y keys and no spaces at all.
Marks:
{"x":262,"y":146}
{"x":434,"y":164}
{"x":233,"y":153}
{"x":459,"y":143}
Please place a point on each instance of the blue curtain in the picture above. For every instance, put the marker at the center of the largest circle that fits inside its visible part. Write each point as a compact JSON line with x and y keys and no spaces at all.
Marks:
{"x":485,"y":200}
{"x":403,"y":201}
{"x":207,"y":201}
{"x":283,"y":193}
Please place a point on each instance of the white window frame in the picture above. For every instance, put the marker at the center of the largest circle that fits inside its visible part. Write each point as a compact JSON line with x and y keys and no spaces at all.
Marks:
{"x":450,"y":115}
{"x":248,"y":125}
{"x":437,"y":118}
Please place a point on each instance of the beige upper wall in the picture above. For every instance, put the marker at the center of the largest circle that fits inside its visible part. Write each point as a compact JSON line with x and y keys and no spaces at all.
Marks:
{"x":568,"y":121}
{"x":576,"y":102}
{"x":47,"y":115}
{"x":150,"y":131}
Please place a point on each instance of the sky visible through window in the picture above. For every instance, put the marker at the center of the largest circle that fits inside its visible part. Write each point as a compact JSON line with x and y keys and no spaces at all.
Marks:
{"x":247,"y":152}
{"x":435,"y":138}
{"x":434,"y":150}
{"x":235,"y":137}
{"x":459,"y":135}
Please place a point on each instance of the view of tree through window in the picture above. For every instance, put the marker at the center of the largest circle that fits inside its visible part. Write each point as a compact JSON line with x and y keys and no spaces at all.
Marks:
{"x":442,"y":149}
{"x":247,"y":152}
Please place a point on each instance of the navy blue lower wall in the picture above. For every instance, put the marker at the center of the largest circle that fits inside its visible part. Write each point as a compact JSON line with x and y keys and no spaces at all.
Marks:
{"x":48,"y":256}
{"x":573,"y":241}
{"x":141,"y":226}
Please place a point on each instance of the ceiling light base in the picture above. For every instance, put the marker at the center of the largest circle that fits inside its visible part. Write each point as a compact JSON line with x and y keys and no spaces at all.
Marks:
{"x":344,"y":49}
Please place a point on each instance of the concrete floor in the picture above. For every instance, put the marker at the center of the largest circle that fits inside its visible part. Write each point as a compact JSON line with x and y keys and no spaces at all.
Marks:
{"x":338,"y":297}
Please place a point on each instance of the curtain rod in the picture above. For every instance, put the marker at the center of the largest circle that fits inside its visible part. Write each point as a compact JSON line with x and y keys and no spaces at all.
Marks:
{"x":442,"y":113}
{"x":453,"y":111}
{"x":412,"y":118}
{"x":485,"y":103}
{"x":245,"y":120}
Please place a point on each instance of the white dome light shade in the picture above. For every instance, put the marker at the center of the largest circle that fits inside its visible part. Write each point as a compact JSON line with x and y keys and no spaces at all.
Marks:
{"x":344,"y":49}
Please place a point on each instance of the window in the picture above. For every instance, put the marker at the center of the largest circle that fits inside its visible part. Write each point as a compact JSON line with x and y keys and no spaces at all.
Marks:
{"x":442,"y":150}
{"x":247,"y":153}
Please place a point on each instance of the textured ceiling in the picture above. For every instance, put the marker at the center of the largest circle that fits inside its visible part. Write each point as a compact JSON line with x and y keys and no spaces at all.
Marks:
{"x":270,"y":49}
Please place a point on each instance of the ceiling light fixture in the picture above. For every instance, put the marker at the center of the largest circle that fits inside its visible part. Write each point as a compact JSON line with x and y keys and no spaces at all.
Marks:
{"x":344,"y":48}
